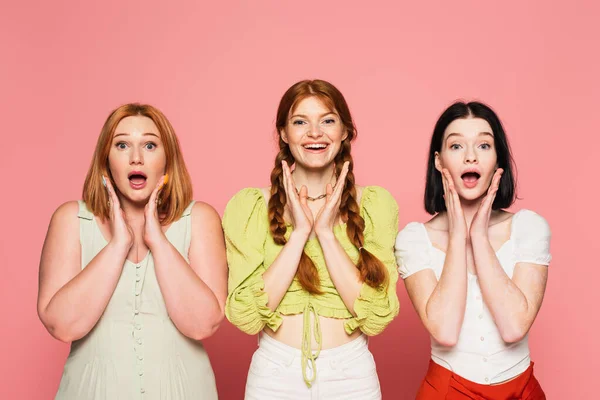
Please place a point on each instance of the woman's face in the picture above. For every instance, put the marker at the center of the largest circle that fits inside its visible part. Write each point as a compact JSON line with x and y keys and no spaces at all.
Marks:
{"x":469,"y":154}
{"x":314,"y":134}
{"x":137,"y":158}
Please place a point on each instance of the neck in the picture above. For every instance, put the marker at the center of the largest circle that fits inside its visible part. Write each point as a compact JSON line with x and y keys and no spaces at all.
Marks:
{"x":134,"y":212}
{"x":470,"y":208}
{"x":315,"y":180}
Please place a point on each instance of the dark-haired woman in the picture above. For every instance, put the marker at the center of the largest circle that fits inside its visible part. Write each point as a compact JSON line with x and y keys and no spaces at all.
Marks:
{"x":475,"y":273}
{"x":311,"y":259}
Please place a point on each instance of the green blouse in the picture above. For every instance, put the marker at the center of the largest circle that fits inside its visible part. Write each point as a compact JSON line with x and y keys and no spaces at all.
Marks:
{"x":251,"y":250}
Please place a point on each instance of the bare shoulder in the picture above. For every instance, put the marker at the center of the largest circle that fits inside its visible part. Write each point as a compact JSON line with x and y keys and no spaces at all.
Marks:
{"x":66,"y":213}
{"x":438,"y":222}
{"x":205,"y":212}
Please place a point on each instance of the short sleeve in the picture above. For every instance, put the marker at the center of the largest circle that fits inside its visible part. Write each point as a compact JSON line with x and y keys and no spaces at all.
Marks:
{"x":376,"y":307}
{"x":412,"y":250}
{"x":245,"y":225}
{"x":531,"y":235}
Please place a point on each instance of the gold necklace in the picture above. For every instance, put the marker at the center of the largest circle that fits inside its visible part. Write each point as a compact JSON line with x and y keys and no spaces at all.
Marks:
{"x":322,"y":196}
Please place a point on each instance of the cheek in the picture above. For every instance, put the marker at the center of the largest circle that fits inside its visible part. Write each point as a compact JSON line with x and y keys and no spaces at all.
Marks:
{"x":117,"y":162}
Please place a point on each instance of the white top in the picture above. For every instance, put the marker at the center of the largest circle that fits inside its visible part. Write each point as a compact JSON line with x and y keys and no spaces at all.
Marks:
{"x":480,"y":355}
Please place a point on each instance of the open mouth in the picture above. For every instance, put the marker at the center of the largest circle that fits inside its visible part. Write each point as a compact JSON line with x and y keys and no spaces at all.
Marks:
{"x":315,"y":147}
{"x":137,"y":178}
{"x":470,"y":178}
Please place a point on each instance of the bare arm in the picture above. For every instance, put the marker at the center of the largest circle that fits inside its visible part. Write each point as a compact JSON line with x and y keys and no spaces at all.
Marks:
{"x":194,"y":293}
{"x":441,"y":304}
{"x":344,"y":274}
{"x":72,"y":300}
{"x":278,"y":277}
{"x":514,"y":304}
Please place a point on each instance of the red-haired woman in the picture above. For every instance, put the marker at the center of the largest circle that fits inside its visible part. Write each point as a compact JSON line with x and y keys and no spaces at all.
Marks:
{"x":311,"y":259}
{"x":135,"y":274}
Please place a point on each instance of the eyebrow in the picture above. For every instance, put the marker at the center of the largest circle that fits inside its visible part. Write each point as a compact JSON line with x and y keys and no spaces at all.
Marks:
{"x":460,"y":134}
{"x":321,"y":116}
{"x":145,"y":134}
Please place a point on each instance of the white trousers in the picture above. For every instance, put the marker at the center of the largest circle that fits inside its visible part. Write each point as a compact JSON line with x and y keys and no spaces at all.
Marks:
{"x":345,"y":372}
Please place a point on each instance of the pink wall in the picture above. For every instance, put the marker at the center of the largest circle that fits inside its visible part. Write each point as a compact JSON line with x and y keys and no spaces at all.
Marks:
{"x":218,"y":71}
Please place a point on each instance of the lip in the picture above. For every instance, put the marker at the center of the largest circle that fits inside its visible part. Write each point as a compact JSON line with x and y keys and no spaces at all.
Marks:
{"x":129,"y":175}
{"x":137,"y":186}
{"x":470,"y":184}
{"x":315,"y":151}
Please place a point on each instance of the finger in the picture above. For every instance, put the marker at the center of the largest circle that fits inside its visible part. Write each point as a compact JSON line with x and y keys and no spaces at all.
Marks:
{"x":328,"y":192}
{"x":291,"y":193}
{"x":114,"y":200}
{"x":496,"y":178}
{"x":444,"y":183}
{"x":341,"y":182}
{"x":303,"y":196}
{"x":285,"y":168}
{"x":153,"y":197}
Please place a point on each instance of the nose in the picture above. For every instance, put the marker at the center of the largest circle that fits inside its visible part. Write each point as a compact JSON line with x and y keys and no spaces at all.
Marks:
{"x":315,"y":131}
{"x":136,"y":157}
{"x":470,"y":156}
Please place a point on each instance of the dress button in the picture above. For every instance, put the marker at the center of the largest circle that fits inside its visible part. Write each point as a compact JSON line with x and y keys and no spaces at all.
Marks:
{"x":140,"y":357}
{"x":139,"y":341}
{"x":137,"y":293}
{"x":142,"y":390}
{"x":487,"y":380}
{"x":136,"y":312}
{"x":482,"y":338}
{"x":141,"y":373}
{"x":137,"y":279}
{"x":138,"y":327}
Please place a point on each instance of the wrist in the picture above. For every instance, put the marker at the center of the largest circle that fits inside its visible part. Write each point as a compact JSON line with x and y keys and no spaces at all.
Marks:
{"x":478,"y":237}
{"x":325,"y":234}
{"x":153,"y":241}
{"x":120,"y":245}
{"x":300,"y":235}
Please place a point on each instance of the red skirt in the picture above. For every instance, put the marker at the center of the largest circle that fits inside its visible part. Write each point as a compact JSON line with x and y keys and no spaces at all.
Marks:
{"x":440,"y":383}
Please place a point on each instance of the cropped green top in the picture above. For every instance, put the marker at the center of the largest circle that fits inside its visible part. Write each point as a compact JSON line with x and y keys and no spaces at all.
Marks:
{"x":251,"y":250}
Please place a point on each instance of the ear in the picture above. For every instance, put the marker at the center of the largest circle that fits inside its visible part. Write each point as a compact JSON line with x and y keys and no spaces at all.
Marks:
{"x":283,"y":135}
{"x":345,"y":136}
{"x":438,"y":162}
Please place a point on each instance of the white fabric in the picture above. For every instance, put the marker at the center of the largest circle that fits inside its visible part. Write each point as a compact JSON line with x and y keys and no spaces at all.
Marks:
{"x":345,"y":372}
{"x":480,"y":355}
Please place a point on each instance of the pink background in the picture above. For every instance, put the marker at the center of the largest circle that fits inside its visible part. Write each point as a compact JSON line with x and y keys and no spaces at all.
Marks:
{"x":218,"y":70}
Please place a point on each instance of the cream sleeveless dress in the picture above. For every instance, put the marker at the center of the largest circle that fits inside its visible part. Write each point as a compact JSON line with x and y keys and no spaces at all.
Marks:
{"x":135,"y":351}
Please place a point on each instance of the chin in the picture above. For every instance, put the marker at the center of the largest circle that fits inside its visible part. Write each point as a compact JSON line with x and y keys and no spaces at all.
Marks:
{"x":472,"y":194}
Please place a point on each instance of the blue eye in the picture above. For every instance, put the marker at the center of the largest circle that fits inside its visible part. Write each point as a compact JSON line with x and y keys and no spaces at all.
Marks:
{"x":455,"y":146}
{"x":150,"y":146}
{"x":329,"y":121}
{"x":298,"y":122}
{"x":485,"y":146}
{"x":121,"y":145}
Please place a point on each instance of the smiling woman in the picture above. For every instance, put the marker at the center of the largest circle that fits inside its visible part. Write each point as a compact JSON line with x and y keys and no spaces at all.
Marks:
{"x":134,"y":271}
{"x":311,"y":261}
